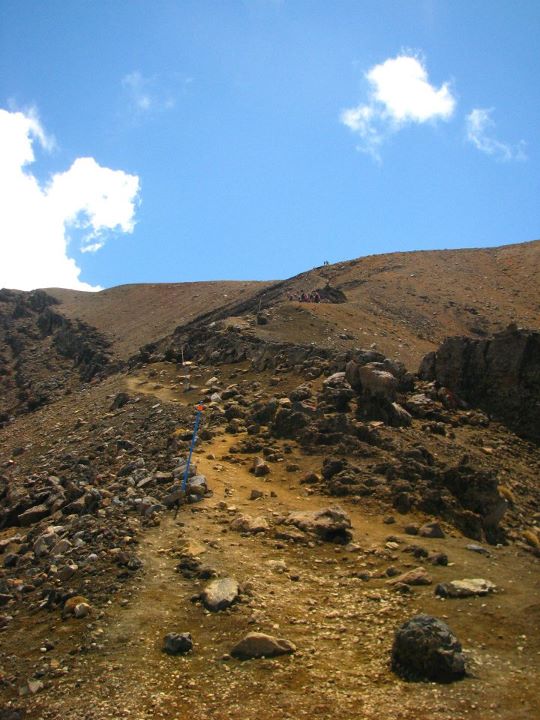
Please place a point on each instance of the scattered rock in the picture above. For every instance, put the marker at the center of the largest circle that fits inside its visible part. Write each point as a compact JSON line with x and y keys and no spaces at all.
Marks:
{"x":260,"y":467}
{"x":250,"y":525}
{"x":220,"y":594}
{"x":465,"y":588}
{"x":426,"y":649}
{"x":417,"y":576}
{"x":258,"y":645}
{"x":431,"y":530}
{"x":411,"y":529}
{"x":81,"y":610}
{"x":330,"y":524}
{"x":33,"y":515}
{"x":72,"y":603}
{"x":478,"y":549}
{"x":177,"y":643}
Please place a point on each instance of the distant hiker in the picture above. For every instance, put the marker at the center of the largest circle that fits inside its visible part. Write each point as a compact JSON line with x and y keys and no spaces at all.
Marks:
{"x":326,"y":262}
{"x":316,"y":297}
{"x":303,"y":297}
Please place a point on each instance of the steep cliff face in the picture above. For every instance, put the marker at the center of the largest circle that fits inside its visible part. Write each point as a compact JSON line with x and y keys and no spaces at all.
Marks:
{"x":500,"y":374}
{"x":42,"y":353}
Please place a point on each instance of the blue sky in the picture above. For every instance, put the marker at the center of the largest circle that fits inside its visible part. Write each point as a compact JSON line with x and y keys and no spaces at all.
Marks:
{"x":254,"y":139}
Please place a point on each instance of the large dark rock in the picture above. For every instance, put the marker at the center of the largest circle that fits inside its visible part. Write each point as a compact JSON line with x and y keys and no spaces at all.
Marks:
{"x":500,"y":374}
{"x":426,"y":649}
{"x":482,"y":508}
{"x":287,"y":422}
{"x":177,"y":643}
{"x":33,"y":515}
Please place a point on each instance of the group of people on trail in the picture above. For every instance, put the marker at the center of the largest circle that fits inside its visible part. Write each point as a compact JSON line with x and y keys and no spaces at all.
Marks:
{"x":302,"y":296}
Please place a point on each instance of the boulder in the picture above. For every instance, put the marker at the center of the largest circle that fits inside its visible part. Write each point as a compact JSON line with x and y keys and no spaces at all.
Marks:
{"x":259,"y":467}
{"x":431,"y":530}
{"x":417,"y":576}
{"x":258,"y":645}
{"x":330,"y":524}
{"x":250,"y":525}
{"x":197,"y":485}
{"x":33,"y":515}
{"x":426,"y":649}
{"x":468,"y":587}
{"x":177,"y":643}
{"x":371,"y":380}
{"x":288,"y":421}
{"x":220,"y":594}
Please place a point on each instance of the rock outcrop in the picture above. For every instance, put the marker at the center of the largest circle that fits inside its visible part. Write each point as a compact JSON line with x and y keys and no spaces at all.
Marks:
{"x":500,"y":374}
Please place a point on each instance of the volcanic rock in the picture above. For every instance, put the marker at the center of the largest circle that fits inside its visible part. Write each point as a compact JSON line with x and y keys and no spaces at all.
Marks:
{"x":220,"y":594}
{"x":465,"y":588}
{"x":258,"y":645}
{"x":177,"y":643}
{"x":500,"y":374}
{"x":330,"y":524}
{"x":426,"y":649}
{"x":417,"y":576}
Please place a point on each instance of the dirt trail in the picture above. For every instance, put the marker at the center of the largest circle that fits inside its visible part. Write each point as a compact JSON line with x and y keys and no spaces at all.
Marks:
{"x":342,"y":626}
{"x":310,"y":594}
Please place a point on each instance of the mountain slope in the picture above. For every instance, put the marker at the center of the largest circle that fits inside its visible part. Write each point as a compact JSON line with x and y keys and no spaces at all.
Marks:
{"x":405,"y":303}
{"x":133,"y":315}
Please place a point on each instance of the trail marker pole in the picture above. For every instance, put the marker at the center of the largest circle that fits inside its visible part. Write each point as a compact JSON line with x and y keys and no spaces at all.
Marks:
{"x":200,"y":409}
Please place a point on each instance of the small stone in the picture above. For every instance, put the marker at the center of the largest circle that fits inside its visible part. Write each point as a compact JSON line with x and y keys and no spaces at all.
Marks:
{"x":177,"y":643}
{"x":417,"y":576}
{"x":256,"y":494}
{"x":67,"y":572}
{"x":31,"y":516}
{"x":432,"y":530}
{"x":81,"y":610}
{"x":260,"y":467}
{"x":411,"y":529}
{"x":478,"y":549}
{"x":249,"y":525}
{"x":220,"y":594}
{"x":35,"y":686}
{"x":71,"y":604}
{"x":258,"y":645}
{"x":310,"y":478}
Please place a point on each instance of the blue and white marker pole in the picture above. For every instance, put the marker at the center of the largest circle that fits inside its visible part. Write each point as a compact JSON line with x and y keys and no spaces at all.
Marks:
{"x":198,"y":416}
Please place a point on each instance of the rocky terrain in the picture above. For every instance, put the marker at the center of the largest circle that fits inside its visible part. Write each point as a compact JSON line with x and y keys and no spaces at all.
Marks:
{"x":354,"y":540}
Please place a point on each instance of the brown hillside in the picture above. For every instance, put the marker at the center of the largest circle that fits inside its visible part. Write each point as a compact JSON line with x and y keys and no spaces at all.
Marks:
{"x":133,"y":315}
{"x":407,"y":303}
{"x":404,"y":303}
{"x":332,"y":497}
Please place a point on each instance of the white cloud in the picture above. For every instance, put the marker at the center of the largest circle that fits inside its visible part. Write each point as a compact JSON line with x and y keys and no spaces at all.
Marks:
{"x":478,"y":125}
{"x":36,"y":221}
{"x":145,"y":94}
{"x":400,"y":93}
